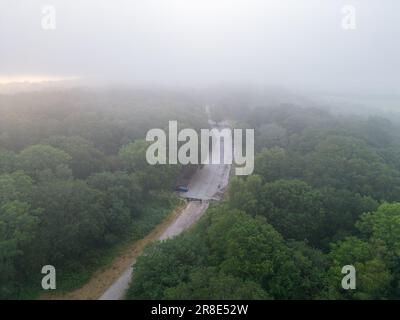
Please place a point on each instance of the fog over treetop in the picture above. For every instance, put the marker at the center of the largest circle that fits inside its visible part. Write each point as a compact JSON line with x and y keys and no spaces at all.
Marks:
{"x":297,"y":44}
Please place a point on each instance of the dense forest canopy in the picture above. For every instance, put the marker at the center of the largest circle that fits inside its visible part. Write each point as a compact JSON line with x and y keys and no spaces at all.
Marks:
{"x":74,"y":180}
{"x":74,"y":183}
{"x":325,"y":193}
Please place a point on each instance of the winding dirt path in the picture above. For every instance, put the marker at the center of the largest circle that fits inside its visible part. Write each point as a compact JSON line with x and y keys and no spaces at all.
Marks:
{"x":106,"y":276}
{"x":112,"y":281}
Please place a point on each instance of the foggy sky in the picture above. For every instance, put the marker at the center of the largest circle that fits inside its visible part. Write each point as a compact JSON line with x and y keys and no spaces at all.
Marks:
{"x":294,"y":43}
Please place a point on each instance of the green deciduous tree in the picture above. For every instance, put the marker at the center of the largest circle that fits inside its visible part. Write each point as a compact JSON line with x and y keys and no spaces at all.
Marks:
{"x":295,"y":209}
{"x":208,"y":283}
{"x":18,"y":227}
{"x":151,"y":177}
{"x":373,"y":278}
{"x":38,"y":160}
